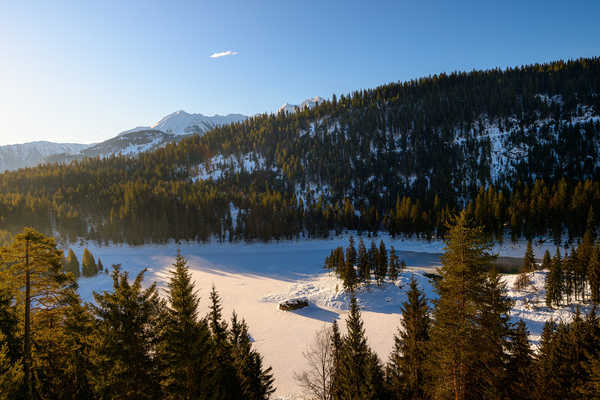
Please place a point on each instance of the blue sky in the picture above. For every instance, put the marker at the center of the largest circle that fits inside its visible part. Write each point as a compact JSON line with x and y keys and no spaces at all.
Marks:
{"x":82,"y":71}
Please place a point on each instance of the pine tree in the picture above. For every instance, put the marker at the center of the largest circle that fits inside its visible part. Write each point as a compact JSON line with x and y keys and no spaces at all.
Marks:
{"x":227,"y":385}
{"x":185,"y":341}
{"x":554,"y":282}
{"x":520,"y":373}
{"x":381,"y":264}
{"x":100,"y":266}
{"x":491,"y":338}
{"x":72,"y":264}
{"x":351,"y":253}
{"x":33,"y":274}
{"x":88,"y":265}
{"x":11,"y":373}
{"x":360,"y":376}
{"x":593,"y":273}
{"x":406,"y":369}
{"x":529,"y":264}
{"x":456,"y":312}
{"x":547,"y":261}
{"x":337,"y":348}
{"x":256,"y":383}
{"x":364,"y":269}
{"x":394,"y":265}
{"x":128,"y":330}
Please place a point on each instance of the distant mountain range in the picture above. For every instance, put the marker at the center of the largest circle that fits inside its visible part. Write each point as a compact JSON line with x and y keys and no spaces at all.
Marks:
{"x":170,"y":128}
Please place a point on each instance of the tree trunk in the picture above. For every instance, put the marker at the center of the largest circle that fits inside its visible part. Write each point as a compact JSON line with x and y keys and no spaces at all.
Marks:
{"x":27,"y":360}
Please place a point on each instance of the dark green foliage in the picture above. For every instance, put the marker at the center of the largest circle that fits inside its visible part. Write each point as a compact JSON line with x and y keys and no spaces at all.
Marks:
{"x":529,"y":264}
{"x":256,"y":382}
{"x":593,"y":274}
{"x":393,"y":265}
{"x":128,"y":321}
{"x":554,"y":282}
{"x":88,"y":264}
{"x":381,"y":263}
{"x":547,"y":261}
{"x":72,"y":264}
{"x":185,"y":341}
{"x":360,"y":375}
{"x":457,"y":330}
{"x":520,"y":368}
{"x":406,"y":369}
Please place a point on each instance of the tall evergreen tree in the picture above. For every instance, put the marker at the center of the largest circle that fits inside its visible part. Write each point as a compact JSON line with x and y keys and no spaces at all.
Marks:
{"x":128,"y":331}
{"x":72,"y":264}
{"x":593,"y":274}
{"x":364,"y":269}
{"x":88,"y":264}
{"x":406,"y":369}
{"x":492,"y":338}
{"x":529,"y":264}
{"x":394,"y":265}
{"x":360,"y":375}
{"x":554,"y":282}
{"x":31,"y":267}
{"x":185,"y":343}
{"x":256,"y":382}
{"x":547,"y":261}
{"x":456,"y":312}
{"x":227,"y":385}
{"x":520,"y":372}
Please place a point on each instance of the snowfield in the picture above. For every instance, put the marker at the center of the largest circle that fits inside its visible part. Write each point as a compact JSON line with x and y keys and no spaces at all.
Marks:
{"x":252,"y":278}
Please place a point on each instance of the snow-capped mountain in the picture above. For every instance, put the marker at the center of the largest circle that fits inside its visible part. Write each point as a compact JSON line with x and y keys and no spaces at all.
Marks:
{"x":183,"y":123}
{"x":130,"y":142}
{"x":17,"y":156}
{"x":292,"y":108}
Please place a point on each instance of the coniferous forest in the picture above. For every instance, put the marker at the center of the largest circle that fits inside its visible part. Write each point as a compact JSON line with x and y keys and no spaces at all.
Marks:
{"x":516,"y":148}
{"x":132,"y":343}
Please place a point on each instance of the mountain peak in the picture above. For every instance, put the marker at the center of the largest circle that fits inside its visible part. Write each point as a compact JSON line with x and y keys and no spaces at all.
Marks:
{"x":292,"y":108}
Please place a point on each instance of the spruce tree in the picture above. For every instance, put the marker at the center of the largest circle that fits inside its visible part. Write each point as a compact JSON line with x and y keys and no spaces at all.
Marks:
{"x":529,"y":264}
{"x":492,"y":338}
{"x":547,"y":261}
{"x":185,"y":342}
{"x":256,"y":382}
{"x":406,"y":369}
{"x":72,"y":264}
{"x":593,"y":274}
{"x":455,"y":330}
{"x":394,"y":265}
{"x":554,"y":282}
{"x":127,"y":334}
{"x":360,"y":376}
{"x":336,"y":346}
{"x":364,"y":269}
{"x":88,"y":265}
{"x":100,"y":265}
{"x":520,"y":372}
{"x":381,"y":264}
{"x":226,"y":383}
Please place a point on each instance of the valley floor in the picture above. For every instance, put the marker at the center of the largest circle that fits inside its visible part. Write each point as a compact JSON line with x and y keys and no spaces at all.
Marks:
{"x":253,"y":278}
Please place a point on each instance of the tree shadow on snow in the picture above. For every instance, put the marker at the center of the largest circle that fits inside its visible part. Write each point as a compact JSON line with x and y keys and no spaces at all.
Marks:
{"x":316,"y":312}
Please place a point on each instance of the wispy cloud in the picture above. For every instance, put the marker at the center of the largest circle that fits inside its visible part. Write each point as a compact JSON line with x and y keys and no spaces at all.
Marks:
{"x":223,"y":54}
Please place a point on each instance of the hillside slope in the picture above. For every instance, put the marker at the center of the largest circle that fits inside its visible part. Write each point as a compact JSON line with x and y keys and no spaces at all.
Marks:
{"x":400,"y":157}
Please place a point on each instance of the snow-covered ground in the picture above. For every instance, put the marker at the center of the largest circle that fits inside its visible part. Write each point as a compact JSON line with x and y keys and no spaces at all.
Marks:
{"x":253,"y":278}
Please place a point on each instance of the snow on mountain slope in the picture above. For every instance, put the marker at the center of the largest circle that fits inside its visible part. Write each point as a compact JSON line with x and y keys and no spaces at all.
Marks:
{"x":292,"y":108}
{"x":131,"y":143}
{"x":183,"y":123}
{"x":17,"y":156}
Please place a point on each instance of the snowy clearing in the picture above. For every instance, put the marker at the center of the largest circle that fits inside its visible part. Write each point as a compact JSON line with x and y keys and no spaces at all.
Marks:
{"x":253,"y":278}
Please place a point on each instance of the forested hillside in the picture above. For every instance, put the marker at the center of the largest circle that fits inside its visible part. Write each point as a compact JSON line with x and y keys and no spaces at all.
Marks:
{"x":517,"y":147}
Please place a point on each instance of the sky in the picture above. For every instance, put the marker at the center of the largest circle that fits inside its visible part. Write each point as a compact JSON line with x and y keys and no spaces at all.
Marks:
{"x":83,"y":71}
